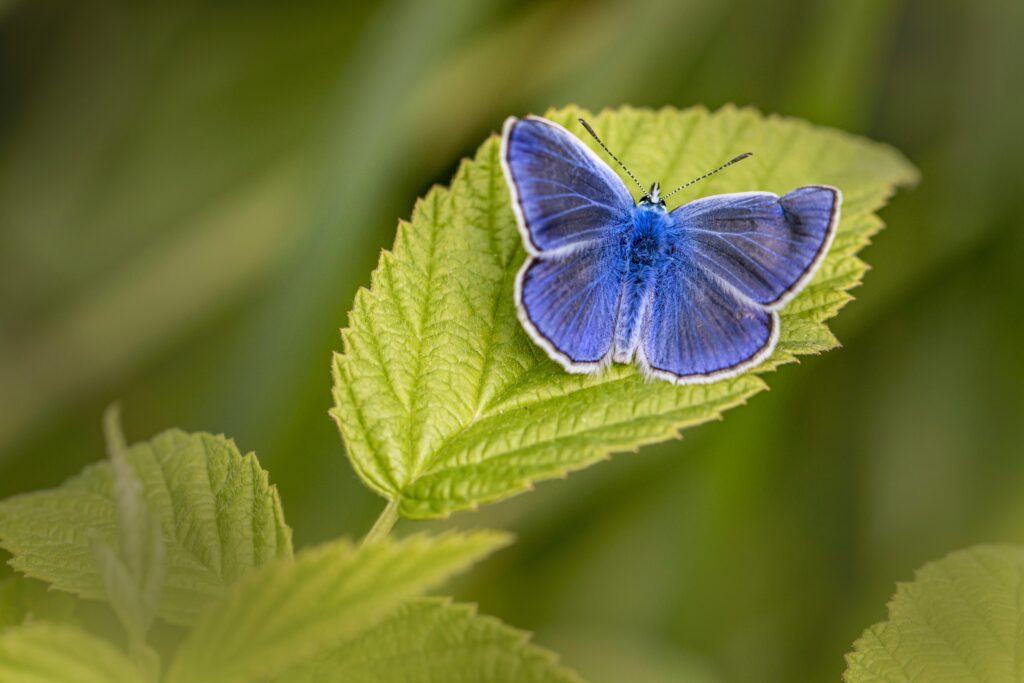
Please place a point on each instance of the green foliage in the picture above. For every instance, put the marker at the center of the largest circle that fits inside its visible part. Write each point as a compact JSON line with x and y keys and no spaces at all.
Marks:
{"x":444,"y":404}
{"x":51,"y":653}
{"x":133,"y":573}
{"x":959,"y":620}
{"x":25,"y":600}
{"x":220,"y":519}
{"x":316,"y":616}
{"x":431,"y":640}
{"x":442,"y":400}
{"x":288,"y":612}
{"x":175,"y":173}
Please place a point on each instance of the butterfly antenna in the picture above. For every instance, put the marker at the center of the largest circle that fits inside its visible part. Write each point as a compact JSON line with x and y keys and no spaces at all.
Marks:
{"x":710,"y":173}
{"x":608,"y":152}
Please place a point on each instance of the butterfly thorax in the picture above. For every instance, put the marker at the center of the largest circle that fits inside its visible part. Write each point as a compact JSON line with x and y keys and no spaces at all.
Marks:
{"x":647,"y":235}
{"x":645,"y":244}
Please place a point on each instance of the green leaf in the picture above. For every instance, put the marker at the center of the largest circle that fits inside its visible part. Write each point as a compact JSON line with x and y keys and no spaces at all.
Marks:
{"x":220,"y":518}
{"x":26,"y":600}
{"x":133,"y":576}
{"x":289,"y":612}
{"x":123,"y":592}
{"x":959,"y":620}
{"x":138,"y":527}
{"x":443,"y":401}
{"x":431,"y":640}
{"x":51,"y":653}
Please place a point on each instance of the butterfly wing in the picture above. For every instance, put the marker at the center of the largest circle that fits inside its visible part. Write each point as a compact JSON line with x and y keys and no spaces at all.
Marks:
{"x":765,"y":246}
{"x":568,"y":303}
{"x":571,"y":209}
{"x":562,"y":194}
{"x":698,"y":330}
{"x":737,"y":259}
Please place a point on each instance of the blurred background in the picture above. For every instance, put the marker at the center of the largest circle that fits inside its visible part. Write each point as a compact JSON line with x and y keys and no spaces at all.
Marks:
{"x":190,"y":194}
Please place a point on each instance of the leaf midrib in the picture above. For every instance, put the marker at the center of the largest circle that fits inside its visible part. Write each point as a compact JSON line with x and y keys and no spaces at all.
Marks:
{"x":737,"y":393}
{"x":424,"y":313}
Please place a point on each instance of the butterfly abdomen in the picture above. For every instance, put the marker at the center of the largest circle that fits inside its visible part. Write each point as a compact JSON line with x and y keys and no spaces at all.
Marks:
{"x":645,"y":250}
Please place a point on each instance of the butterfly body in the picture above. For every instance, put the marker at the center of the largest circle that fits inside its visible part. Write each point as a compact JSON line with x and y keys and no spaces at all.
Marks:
{"x":690,"y":295}
{"x":645,"y":237}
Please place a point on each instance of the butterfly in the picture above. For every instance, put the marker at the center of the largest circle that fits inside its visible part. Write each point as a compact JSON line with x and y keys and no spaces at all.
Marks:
{"x":690,"y":295}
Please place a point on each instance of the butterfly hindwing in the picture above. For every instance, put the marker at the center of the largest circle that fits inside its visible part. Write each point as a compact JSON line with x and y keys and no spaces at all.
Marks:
{"x":765,"y":246}
{"x":698,"y":330}
{"x":568,"y":301}
{"x":562,"y":193}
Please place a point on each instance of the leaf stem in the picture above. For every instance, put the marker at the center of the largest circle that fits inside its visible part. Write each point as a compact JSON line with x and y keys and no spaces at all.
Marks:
{"x":382,"y":527}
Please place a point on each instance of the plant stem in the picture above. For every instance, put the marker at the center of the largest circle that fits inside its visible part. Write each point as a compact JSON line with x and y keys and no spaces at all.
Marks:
{"x":382,"y":527}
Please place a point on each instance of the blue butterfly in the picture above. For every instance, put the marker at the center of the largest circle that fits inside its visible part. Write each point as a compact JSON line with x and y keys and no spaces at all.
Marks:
{"x":690,"y":295}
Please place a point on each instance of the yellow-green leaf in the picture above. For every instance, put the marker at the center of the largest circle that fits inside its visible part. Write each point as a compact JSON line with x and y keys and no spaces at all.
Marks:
{"x":288,"y":612}
{"x":52,"y":653}
{"x":959,"y":620}
{"x":219,"y":514}
{"x":431,"y":640}
{"x":441,"y":398}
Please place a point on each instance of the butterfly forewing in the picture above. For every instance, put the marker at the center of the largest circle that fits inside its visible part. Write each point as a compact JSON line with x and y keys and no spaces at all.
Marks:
{"x":765,"y":246}
{"x":562,"y":192}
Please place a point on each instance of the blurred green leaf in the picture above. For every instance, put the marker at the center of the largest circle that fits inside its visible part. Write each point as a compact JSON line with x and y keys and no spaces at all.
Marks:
{"x":133,"y":575}
{"x":958,"y":620}
{"x":442,"y":400}
{"x":431,"y":640}
{"x":51,"y":653}
{"x":191,"y":135}
{"x":289,"y":612}
{"x":26,"y":600}
{"x":123,"y":592}
{"x":220,"y":517}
